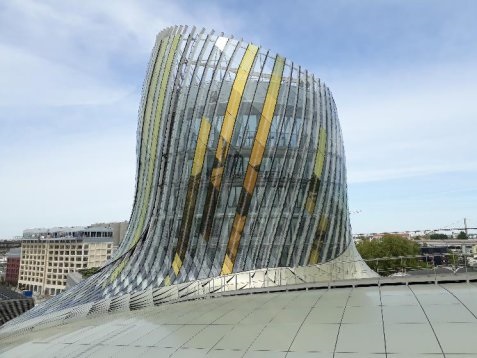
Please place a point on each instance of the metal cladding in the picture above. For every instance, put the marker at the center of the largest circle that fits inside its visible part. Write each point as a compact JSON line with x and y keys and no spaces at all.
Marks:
{"x":240,"y":166}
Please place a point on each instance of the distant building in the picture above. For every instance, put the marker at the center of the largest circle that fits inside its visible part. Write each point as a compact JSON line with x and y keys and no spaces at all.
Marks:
{"x":13,"y":266}
{"x":92,"y":231}
{"x":12,"y":304}
{"x":48,"y":255}
{"x":9,"y":244}
{"x":119,"y":230}
{"x":375,"y":236}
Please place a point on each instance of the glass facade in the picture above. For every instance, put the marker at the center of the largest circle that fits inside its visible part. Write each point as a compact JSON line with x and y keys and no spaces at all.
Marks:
{"x":240,"y":166}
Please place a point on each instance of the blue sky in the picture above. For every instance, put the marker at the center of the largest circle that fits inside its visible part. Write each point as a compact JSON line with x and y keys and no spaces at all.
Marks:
{"x":403,"y":74}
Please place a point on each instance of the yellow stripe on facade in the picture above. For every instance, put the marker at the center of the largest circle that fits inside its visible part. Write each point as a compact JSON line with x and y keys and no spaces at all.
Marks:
{"x":313,"y":257}
{"x":118,"y":270}
{"x":145,"y":132}
{"x":315,"y":248}
{"x":312,"y":197}
{"x":255,"y":160}
{"x":147,"y":120}
{"x":234,"y":102}
{"x":201,"y":147}
{"x":191,"y":197}
{"x":223,"y":143}
{"x":228,"y":265}
{"x":150,"y":98}
{"x":320,"y":155}
{"x":176,"y":264}
{"x":267,"y":113}
{"x":155,"y":135}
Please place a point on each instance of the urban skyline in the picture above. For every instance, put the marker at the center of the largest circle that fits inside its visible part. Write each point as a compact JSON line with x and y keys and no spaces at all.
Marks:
{"x":403,"y":77}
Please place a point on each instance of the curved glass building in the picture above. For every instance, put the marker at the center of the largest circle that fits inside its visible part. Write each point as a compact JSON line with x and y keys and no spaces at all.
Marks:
{"x":240,"y":167}
{"x":241,"y":189}
{"x":240,"y":164}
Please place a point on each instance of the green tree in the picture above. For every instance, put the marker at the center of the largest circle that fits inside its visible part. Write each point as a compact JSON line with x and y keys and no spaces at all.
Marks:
{"x":389,"y":246}
{"x":438,"y":237}
{"x":462,"y":236}
{"x":87,"y":272}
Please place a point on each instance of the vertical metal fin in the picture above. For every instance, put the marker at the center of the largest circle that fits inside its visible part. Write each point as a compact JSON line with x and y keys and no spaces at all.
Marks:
{"x":318,"y":241}
{"x":155,"y":136}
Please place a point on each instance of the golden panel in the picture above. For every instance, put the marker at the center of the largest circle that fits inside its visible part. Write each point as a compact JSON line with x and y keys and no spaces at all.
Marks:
{"x":255,"y":160}
{"x":250,"y":180}
{"x":310,"y":203}
{"x":220,"y":152}
{"x":320,"y":155}
{"x":234,"y":99}
{"x":217,"y":176}
{"x":201,"y":147}
{"x":239,"y":223}
{"x":257,"y":154}
{"x":236,"y":96}
{"x":313,"y":256}
{"x":176,"y":264}
{"x":263,"y":129}
{"x":317,"y":171}
{"x":323,"y":223}
{"x":191,"y":197}
{"x":316,"y":246}
{"x":225,"y":136}
{"x":228,"y":266}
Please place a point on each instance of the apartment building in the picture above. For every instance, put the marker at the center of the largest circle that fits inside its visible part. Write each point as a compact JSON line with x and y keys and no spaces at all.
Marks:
{"x":13,"y":266}
{"x":48,"y":255}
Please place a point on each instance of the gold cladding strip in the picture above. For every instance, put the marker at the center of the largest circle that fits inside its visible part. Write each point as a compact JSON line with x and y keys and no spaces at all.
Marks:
{"x":201,"y":147}
{"x":155,"y":135}
{"x":234,"y":102}
{"x":320,"y":157}
{"x":255,"y":160}
{"x":150,"y":97}
{"x":317,"y":242}
{"x":144,"y":135}
{"x":191,"y":197}
{"x":225,"y":137}
{"x":118,"y":269}
{"x":317,"y":171}
{"x":176,"y":264}
{"x":147,"y":117}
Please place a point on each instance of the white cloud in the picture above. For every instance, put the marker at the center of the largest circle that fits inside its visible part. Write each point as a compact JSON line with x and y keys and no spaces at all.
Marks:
{"x":29,"y":80}
{"x":76,"y":182}
{"x":69,"y":89}
{"x":408,"y":123}
{"x":402,"y":171}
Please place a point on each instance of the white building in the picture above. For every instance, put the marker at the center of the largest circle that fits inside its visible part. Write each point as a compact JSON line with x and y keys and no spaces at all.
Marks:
{"x":48,"y":255}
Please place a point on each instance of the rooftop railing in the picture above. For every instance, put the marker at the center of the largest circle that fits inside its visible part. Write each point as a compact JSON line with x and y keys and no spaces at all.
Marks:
{"x":338,"y":273}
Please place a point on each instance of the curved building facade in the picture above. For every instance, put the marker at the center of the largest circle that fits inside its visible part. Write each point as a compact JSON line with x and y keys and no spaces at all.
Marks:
{"x":240,"y":167}
{"x":240,"y":164}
